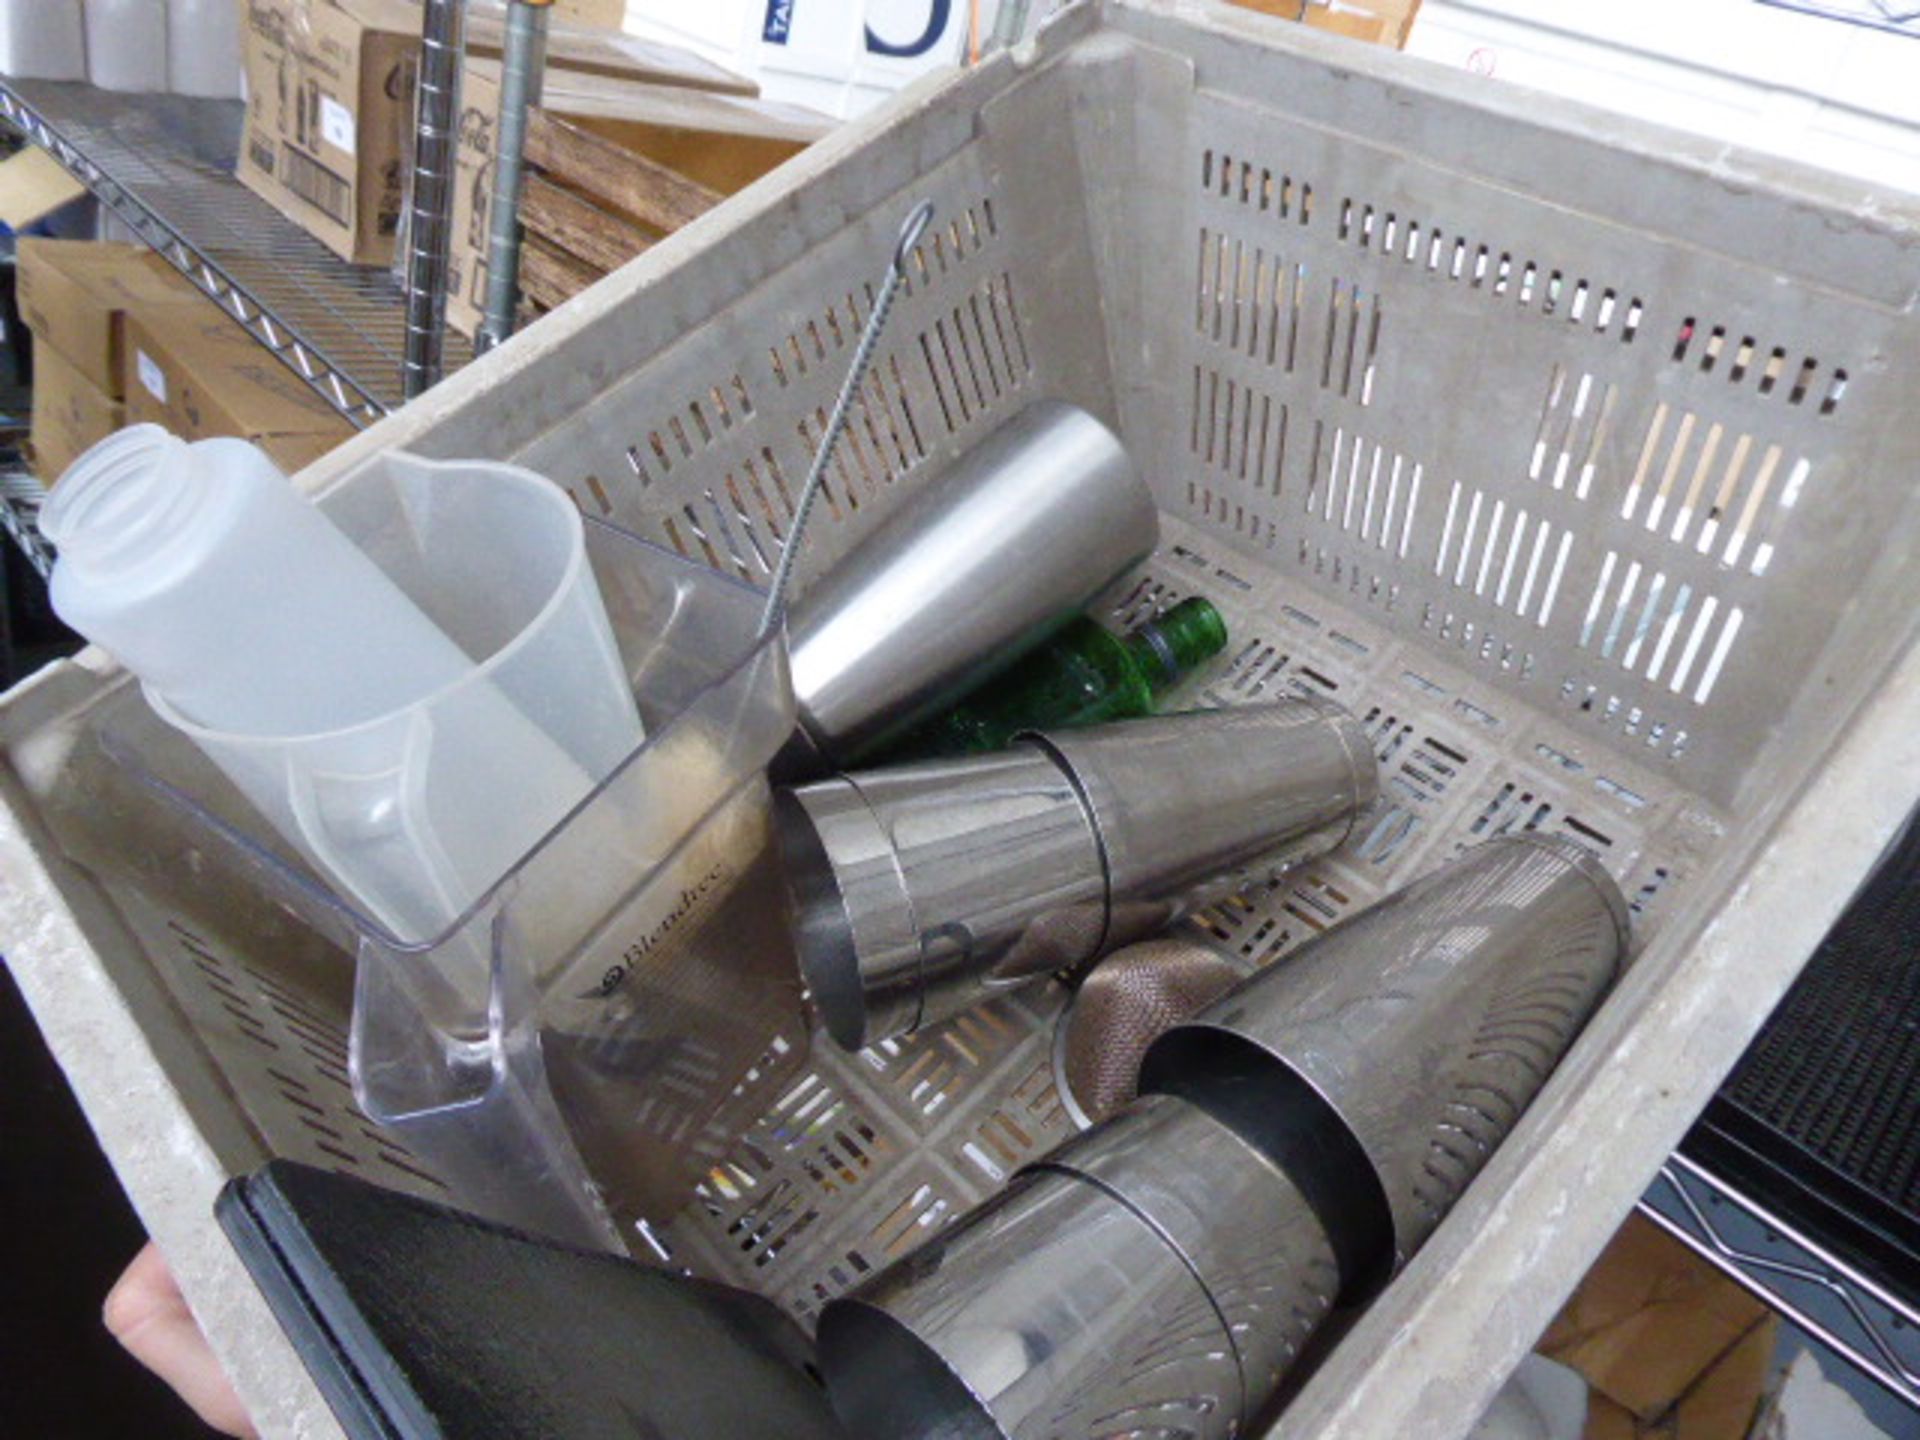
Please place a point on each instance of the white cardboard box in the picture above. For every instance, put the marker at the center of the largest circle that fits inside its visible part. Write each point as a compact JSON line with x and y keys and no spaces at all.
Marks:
{"x":1814,"y":89}
{"x":839,"y":57}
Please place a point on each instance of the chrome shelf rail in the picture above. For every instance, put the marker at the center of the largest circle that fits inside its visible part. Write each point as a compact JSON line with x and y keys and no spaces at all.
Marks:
{"x":20,"y":497}
{"x":1792,"y":1272}
{"x":164,"y":165}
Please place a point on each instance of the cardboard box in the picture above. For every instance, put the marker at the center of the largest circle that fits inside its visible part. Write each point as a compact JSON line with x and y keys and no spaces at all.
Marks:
{"x":209,"y":378}
{"x":589,"y":47}
{"x":608,"y":14}
{"x":1673,"y":1349}
{"x":1378,"y":22}
{"x":74,"y":295}
{"x":723,"y":142}
{"x":70,"y":413}
{"x":33,"y":186}
{"x":330,"y":113}
{"x":293,"y":453}
{"x":602,"y":14}
{"x":330,"y":101}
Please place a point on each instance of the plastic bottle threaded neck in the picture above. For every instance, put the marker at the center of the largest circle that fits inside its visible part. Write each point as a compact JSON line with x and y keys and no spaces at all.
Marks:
{"x":123,"y":499}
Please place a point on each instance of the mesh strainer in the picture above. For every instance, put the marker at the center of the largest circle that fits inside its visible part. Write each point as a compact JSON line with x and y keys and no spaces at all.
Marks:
{"x":1125,"y":1003}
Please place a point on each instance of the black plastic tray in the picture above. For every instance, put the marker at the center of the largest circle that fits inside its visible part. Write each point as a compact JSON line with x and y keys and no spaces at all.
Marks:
{"x":1821,"y":1118}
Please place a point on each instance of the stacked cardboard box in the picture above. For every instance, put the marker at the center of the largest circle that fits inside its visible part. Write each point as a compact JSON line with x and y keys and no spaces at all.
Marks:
{"x":1672,"y":1349}
{"x":201,"y":376}
{"x":76,"y":296}
{"x":329,"y":103}
{"x":119,"y":338}
{"x":330,"y":108}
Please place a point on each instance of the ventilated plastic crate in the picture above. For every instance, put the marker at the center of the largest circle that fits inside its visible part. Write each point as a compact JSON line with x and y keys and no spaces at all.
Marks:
{"x":1573,"y":455}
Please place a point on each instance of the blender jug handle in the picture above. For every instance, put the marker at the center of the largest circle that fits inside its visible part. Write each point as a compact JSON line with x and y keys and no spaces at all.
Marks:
{"x":371,"y":830}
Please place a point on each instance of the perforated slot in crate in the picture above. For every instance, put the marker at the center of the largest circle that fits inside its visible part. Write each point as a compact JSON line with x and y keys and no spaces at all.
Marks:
{"x":916,"y":1201}
{"x":927,"y":1073}
{"x":290,"y":1056}
{"x":1516,"y":808}
{"x":1419,"y":773}
{"x":1265,"y":925}
{"x":1027,"y":1123}
{"x":792,"y":1171}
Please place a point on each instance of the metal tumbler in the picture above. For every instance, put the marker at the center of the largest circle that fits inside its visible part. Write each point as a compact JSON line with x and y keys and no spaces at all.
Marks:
{"x":1144,"y":1279}
{"x":919,"y":889}
{"x":1381,"y":1064}
{"x":1012,"y":542}
{"x":923,"y":889}
{"x":1239,"y":1223}
{"x":1193,"y":807}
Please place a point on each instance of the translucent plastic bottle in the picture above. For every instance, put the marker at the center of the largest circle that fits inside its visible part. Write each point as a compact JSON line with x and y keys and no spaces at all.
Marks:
{"x":203,"y":48}
{"x":181,"y":559}
{"x":396,"y":755}
{"x":127,"y":44}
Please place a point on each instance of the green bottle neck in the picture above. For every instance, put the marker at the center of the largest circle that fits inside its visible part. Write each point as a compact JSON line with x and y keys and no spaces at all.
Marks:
{"x":1169,"y":647}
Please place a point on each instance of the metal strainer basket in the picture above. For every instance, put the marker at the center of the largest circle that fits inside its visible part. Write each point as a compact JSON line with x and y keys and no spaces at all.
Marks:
{"x":1124,"y":1004}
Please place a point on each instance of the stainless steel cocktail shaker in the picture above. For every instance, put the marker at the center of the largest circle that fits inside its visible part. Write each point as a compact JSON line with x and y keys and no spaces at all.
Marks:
{"x":1292,"y":1146}
{"x":969,"y":574}
{"x":923,"y":889}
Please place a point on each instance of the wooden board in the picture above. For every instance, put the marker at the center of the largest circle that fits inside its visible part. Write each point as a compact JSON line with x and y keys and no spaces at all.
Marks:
{"x":619,"y":164}
{"x":617,"y":179}
{"x":573,"y":223}
{"x":549,"y":276}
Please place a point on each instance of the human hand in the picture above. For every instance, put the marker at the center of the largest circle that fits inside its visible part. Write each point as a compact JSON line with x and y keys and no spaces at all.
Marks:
{"x":147,"y":1314}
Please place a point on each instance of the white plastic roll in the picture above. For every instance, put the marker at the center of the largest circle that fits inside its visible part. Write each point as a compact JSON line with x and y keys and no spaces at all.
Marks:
{"x":126,"y":44}
{"x":203,"y":48}
{"x":42,"y":40}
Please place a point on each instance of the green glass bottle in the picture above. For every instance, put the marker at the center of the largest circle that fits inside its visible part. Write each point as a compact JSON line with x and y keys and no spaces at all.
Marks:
{"x":1085,"y":675}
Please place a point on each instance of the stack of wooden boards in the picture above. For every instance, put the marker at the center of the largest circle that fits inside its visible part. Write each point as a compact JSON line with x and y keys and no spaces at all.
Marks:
{"x":589,"y":206}
{"x":614,"y":165}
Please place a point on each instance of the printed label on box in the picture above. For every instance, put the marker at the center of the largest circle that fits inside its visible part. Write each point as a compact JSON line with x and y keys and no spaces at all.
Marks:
{"x":909,"y":44}
{"x":336,"y":125}
{"x":152,"y":378}
{"x":329,"y":193}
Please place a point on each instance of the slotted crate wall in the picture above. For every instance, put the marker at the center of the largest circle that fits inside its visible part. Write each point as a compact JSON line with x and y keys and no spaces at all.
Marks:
{"x":286,"y":1050}
{"x":1573,"y":461}
{"x":979,"y":330}
{"x":1610,"y":467}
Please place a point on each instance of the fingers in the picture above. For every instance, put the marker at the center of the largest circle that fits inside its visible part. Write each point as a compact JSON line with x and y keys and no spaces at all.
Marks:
{"x":146,"y":1313}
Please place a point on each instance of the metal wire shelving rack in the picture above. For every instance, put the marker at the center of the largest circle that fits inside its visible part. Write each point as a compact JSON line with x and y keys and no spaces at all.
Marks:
{"x":1802,"y":1176}
{"x":1804,"y":1278}
{"x":164,"y":165}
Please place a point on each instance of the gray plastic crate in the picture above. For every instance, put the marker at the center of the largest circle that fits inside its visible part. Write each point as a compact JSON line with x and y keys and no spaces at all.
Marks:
{"x":1574,"y":455}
